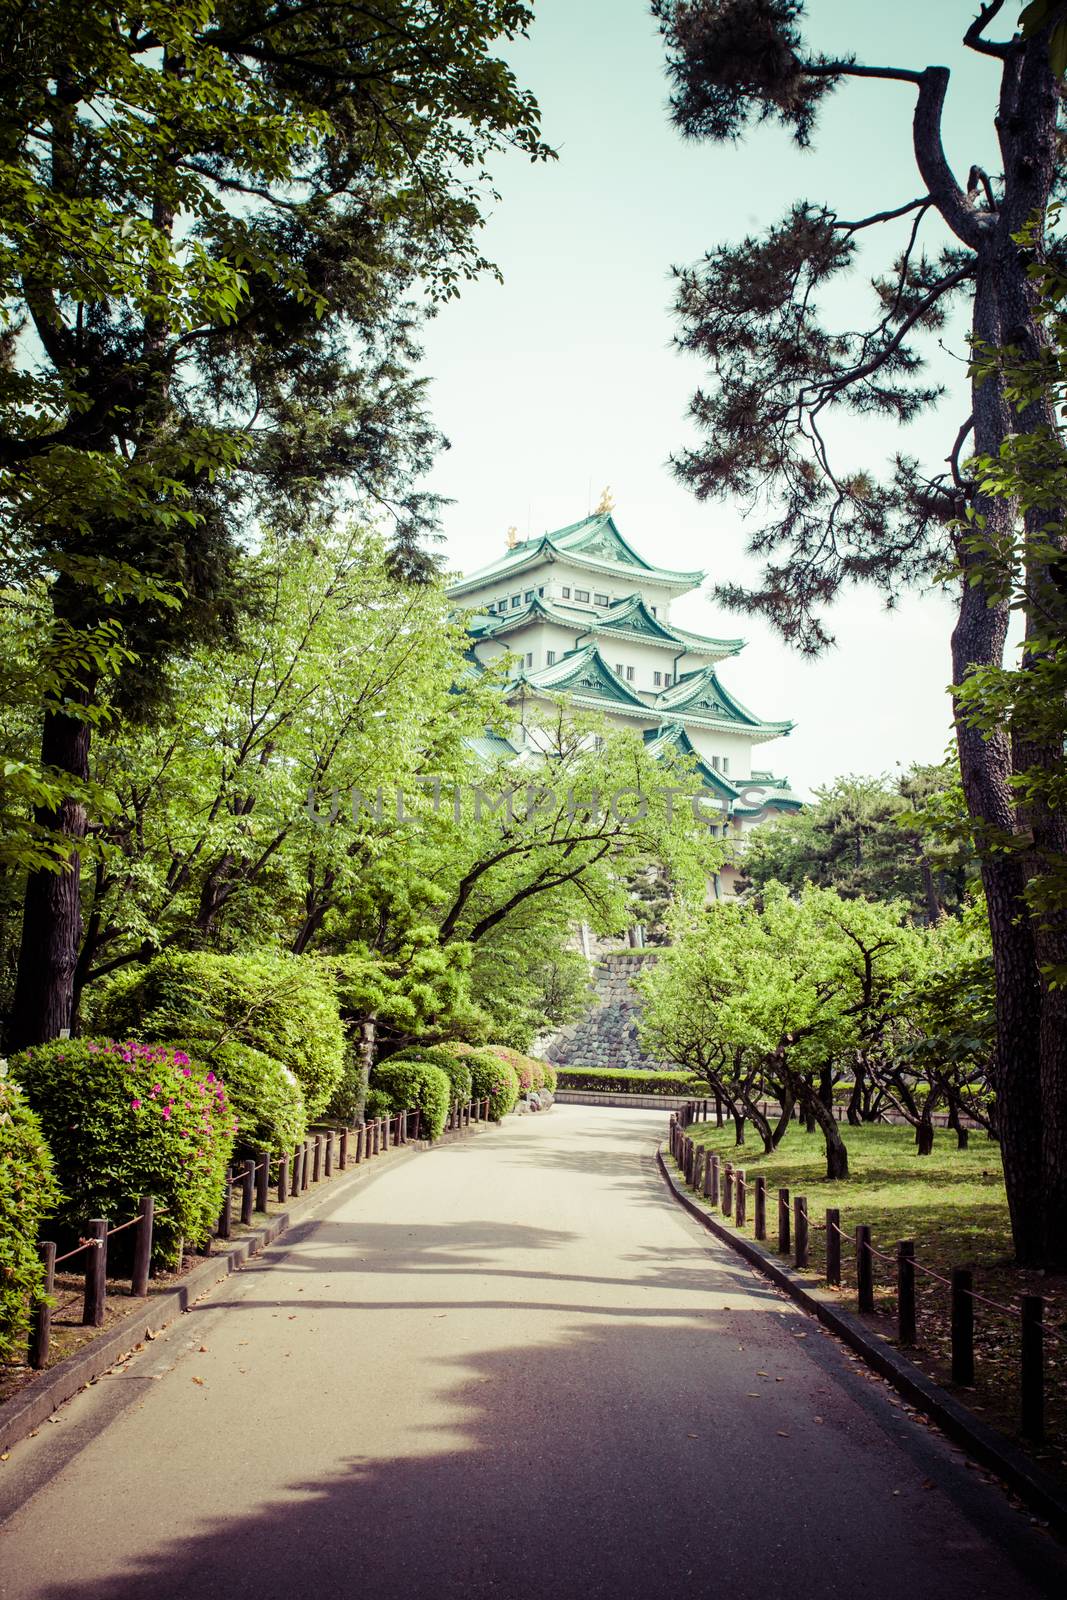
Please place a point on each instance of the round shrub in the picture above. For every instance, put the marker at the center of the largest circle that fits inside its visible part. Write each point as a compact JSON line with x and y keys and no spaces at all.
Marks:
{"x":453,"y":1066}
{"x":550,"y":1076}
{"x":282,"y":1005}
{"x":377,"y":1105}
{"x":416,"y":1086}
{"x":267,"y":1101}
{"x":125,"y":1120}
{"x":28,"y":1194}
{"x":529,"y":1070}
{"x":495,"y":1078}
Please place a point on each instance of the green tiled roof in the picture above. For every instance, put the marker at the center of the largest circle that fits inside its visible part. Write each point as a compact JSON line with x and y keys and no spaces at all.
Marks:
{"x":595,"y":542}
{"x":586,"y":674}
{"x":701,"y":694}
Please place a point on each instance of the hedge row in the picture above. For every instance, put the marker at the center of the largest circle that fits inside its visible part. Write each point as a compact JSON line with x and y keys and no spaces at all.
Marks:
{"x":627,"y":1080}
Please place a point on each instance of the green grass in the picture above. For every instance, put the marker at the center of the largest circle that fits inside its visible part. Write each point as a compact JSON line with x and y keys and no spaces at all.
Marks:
{"x":952,"y":1204}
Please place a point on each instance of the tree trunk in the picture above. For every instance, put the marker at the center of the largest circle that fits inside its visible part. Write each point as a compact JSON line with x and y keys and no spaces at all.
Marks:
{"x":855,"y":1099}
{"x":786,"y":1116}
{"x":924,"y":1136}
{"x":367,"y":1034}
{"x":836,"y":1151}
{"x":51,"y":918}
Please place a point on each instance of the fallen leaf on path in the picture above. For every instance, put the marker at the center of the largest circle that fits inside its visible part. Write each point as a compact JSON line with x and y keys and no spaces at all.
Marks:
{"x":200,"y":1381}
{"x":688,"y":1436}
{"x":782,"y":1434}
{"x":817,"y":1419}
{"x":762,"y":1374}
{"x":203,"y":1349}
{"x":752,"y":1394}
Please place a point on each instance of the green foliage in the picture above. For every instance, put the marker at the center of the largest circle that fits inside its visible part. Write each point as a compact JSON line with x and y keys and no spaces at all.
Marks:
{"x":529,"y":1070}
{"x":126,"y":1120}
{"x":551,"y":1076}
{"x":281,"y":1005}
{"x":28,"y":1194}
{"x":377,"y":1105}
{"x":416,"y":1086}
{"x":874,"y":839}
{"x":495,"y":1080}
{"x":627,"y":1080}
{"x":453,"y":1066}
{"x":266,"y":1097}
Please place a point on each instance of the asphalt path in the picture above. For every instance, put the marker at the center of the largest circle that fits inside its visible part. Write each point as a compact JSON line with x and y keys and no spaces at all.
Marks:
{"x":510,"y":1367}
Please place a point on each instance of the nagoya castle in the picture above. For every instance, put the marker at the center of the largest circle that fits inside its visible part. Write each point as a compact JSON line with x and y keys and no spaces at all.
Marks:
{"x":582,"y":614}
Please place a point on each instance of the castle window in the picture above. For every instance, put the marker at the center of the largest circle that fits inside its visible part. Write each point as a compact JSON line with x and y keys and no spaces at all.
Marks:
{"x":629,"y":674}
{"x":657,"y":678}
{"x":502,"y":605}
{"x":618,"y":668}
{"x":715,"y":762}
{"x":550,"y":657}
{"x":565,"y":593}
{"x":516,"y":601}
{"x":600,"y":599}
{"x":529,"y":658}
{"x":666,"y":680}
{"x":528,"y":596}
{"x":541,"y":590}
{"x":653,"y":610}
{"x":581,"y":594}
{"x":726,"y":763}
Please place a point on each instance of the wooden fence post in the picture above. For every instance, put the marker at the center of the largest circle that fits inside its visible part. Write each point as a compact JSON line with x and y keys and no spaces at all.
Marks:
{"x":342,"y":1153}
{"x":283,"y":1179}
{"x":864,"y":1269}
{"x":223,"y":1229}
{"x":760,"y":1218}
{"x":698,"y":1167}
{"x":800,"y":1230}
{"x":1032,"y":1372}
{"x":360,"y":1132}
{"x":783,"y":1222}
{"x":248,"y":1190}
{"x":739,"y":1202}
{"x":96,"y":1275}
{"x":316,"y":1171}
{"x":962,"y":1328}
{"x":907,"y":1332}
{"x":833,"y":1247}
{"x":262,"y":1180}
{"x":41,"y":1320}
{"x":328,"y":1167}
{"x":716,"y":1179}
{"x":728,"y":1188}
{"x":142,"y":1246}
{"x":305,"y":1164}
{"x":386,"y":1122}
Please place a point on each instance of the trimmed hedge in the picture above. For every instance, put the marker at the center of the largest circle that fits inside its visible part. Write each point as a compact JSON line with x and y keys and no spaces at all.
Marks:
{"x":494,"y":1078}
{"x":453,"y":1066}
{"x":416,"y":1086}
{"x":28,"y":1194}
{"x":267,"y":1101}
{"x":627,"y":1080}
{"x":377,"y":1105}
{"x":126,"y":1120}
{"x":283,"y":1005}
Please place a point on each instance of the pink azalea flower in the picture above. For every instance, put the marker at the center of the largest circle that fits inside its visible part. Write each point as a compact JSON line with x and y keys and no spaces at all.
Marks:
{"x":181,"y":1059}
{"x":135,"y":1105}
{"x":166,"y":1113}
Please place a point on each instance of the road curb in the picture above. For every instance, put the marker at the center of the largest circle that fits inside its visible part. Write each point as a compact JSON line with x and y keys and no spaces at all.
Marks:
{"x":35,"y":1402}
{"x":986,"y":1445}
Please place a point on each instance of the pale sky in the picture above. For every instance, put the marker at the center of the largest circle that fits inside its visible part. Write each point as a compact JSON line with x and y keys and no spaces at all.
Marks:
{"x":563,"y":379}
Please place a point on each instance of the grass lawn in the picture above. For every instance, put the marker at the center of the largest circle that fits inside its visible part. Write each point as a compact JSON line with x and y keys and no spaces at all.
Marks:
{"x":952,"y":1204}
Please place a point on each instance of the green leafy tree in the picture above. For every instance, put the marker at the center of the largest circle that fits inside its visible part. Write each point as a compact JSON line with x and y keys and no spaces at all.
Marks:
{"x":871,"y":838}
{"x":213,"y":220}
{"x":761,"y":313}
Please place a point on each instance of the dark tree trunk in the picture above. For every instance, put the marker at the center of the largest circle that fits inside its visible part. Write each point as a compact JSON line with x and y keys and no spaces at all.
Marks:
{"x":924,"y":1136}
{"x":826,"y":1087}
{"x":855,"y":1099}
{"x":739,"y":1127}
{"x":51,"y":918}
{"x":784,"y":1119}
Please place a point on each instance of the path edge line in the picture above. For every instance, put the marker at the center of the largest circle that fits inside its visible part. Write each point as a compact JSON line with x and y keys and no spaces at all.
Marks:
{"x":987,"y":1445}
{"x":35,"y":1402}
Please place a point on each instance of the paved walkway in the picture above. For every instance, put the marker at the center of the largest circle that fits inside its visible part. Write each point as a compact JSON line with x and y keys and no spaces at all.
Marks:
{"x":510,"y":1368}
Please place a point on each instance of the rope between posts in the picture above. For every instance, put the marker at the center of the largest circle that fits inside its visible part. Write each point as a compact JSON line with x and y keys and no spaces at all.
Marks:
{"x":119,"y":1227}
{"x":86,"y":1244}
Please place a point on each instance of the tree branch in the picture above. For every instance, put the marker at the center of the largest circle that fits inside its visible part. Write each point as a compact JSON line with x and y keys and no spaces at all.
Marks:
{"x":945,"y":192}
{"x":882,"y":216}
{"x":973,"y":37}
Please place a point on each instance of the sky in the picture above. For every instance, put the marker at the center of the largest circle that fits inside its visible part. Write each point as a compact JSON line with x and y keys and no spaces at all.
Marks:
{"x":563,"y":380}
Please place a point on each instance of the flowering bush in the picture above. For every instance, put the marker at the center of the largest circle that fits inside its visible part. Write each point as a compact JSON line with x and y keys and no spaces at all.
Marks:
{"x":493,"y":1077}
{"x":415,"y":1086}
{"x":529,"y":1070}
{"x":282,"y":1005}
{"x":124,"y":1120}
{"x":28,"y":1194}
{"x":267,"y":1101}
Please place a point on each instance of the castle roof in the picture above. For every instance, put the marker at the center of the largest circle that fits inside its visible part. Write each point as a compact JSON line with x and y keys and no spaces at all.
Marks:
{"x":595,"y":544}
